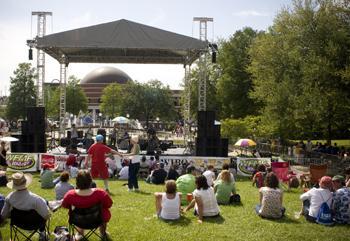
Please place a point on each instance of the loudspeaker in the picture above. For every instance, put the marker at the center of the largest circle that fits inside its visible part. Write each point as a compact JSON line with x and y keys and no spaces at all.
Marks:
{"x":16,"y":146}
{"x":36,"y":119}
{"x":24,"y":127}
{"x":224,"y":147}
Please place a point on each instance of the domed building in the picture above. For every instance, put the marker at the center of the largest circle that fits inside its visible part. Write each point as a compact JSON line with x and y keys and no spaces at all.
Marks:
{"x":95,"y":81}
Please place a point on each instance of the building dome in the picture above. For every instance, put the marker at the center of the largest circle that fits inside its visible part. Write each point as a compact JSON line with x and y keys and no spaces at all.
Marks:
{"x":106,"y":75}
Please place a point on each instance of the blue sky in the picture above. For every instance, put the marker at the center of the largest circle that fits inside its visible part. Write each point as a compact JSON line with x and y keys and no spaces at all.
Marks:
{"x":17,"y":25}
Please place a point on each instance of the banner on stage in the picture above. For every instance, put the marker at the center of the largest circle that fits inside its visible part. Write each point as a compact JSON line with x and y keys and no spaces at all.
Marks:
{"x":48,"y":160}
{"x":24,"y":162}
{"x":197,"y":161}
{"x":246,"y":166}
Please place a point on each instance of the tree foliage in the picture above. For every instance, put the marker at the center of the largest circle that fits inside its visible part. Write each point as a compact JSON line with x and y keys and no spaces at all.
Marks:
{"x":22,"y":91}
{"x":142,"y":101}
{"x":300,"y":69}
{"x":111,"y":101}
{"x":235,"y":82}
{"x":76,"y":99}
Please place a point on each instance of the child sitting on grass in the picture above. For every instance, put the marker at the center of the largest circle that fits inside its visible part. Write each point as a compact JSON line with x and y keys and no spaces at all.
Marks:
{"x":63,"y":186}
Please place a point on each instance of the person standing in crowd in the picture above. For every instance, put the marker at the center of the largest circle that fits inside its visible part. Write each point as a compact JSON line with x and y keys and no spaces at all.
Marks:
{"x":97,"y":155}
{"x":168,"y":203}
{"x":313,"y":199}
{"x":204,"y":202}
{"x":74,"y":135}
{"x":22,"y":199}
{"x":341,"y":200}
{"x":3,"y":151}
{"x":134,"y":164}
{"x":85,"y":196}
{"x":271,"y":199}
{"x":113,"y":136}
{"x":88,"y":141}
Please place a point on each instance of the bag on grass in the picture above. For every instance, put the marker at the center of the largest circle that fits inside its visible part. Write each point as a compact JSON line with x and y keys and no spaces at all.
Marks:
{"x":324,"y":215}
{"x":61,"y":233}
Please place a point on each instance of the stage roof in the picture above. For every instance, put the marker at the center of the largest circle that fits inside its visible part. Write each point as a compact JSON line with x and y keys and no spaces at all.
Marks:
{"x":122,"y":41}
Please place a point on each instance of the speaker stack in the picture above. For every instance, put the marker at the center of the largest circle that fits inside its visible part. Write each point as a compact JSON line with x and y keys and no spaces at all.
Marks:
{"x":209,"y":141}
{"x":33,"y":139}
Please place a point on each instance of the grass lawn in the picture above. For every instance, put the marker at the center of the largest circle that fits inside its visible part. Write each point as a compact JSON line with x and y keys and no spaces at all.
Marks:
{"x":133,"y":218}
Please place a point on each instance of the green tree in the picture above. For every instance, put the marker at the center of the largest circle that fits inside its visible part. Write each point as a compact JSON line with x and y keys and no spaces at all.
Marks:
{"x":22,"y":91}
{"x":76,"y":99}
{"x":235,"y":82}
{"x":146,"y":101}
{"x":111,"y":100}
{"x":52,"y":101}
{"x":300,"y":69}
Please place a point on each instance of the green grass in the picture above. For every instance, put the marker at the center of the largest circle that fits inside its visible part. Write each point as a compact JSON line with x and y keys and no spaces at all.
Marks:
{"x":133,"y":218}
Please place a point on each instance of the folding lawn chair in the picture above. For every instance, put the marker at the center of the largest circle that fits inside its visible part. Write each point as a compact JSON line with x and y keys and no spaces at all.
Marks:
{"x":281,"y":171}
{"x":316,"y":172}
{"x":87,"y":219}
{"x":25,"y":224}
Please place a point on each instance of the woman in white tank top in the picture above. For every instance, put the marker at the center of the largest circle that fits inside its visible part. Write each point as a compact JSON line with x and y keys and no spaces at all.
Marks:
{"x":168,"y":203}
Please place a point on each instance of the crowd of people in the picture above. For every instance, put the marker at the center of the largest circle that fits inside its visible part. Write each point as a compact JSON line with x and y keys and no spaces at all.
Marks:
{"x":185,"y":188}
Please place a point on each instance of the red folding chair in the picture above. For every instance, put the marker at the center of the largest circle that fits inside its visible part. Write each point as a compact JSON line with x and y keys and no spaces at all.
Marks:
{"x":281,"y":171}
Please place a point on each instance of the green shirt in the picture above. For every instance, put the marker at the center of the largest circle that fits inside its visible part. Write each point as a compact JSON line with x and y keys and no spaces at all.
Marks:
{"x":223,"y":191}
{"x":185,"y":184}
{"x":47,"y":179}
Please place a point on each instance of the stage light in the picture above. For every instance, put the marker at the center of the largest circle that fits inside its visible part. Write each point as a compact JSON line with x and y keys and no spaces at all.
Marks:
{"x":30,"y":54}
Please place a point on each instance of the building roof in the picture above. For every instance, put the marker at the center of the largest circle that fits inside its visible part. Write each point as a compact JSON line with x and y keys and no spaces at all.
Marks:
{"x":106,"y":75}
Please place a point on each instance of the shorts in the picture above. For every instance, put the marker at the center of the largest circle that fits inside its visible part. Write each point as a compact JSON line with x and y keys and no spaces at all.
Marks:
{"x":99,"y":170}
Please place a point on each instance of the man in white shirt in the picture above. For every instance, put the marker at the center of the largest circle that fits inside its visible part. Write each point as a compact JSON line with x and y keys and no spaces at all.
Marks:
{"x":313,"y":199}
{"x":210,"y":175}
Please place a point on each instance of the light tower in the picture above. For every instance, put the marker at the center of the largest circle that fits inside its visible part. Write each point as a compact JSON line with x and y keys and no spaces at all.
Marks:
{"x":40,"y":64}
{"x":202,"y":84}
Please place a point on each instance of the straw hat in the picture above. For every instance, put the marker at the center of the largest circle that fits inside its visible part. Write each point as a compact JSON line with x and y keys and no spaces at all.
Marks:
{"x":19,"y":181}
{"x":135,"y":139}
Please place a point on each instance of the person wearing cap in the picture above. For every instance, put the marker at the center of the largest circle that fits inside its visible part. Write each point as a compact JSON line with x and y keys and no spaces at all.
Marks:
{"x":313,"y":199}
{"x":186,"y":183}
{"x":341,"y":200}
{"x":134,"y":164}
{"x":22,"y":199}
{"x":97,"y":154}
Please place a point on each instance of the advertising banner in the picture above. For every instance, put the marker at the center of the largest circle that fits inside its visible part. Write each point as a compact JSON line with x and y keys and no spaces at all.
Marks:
{"x":24,"y":162}
{"x":246,"y":166}
{"x":48,"y":160}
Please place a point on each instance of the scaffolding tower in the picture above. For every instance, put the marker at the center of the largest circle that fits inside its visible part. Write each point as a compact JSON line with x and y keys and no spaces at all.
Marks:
{"x":40,"y":64}
{"x":202,"y":83}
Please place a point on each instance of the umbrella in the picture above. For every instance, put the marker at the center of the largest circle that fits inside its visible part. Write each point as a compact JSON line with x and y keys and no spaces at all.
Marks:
{"x":9,"y":139}
{"x":121,"y":120}
{"x":245,"y":143}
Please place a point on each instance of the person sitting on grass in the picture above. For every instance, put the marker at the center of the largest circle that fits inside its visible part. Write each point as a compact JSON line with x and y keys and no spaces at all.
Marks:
{"x":124,"y":172}
{"x":46,"y":176}
{"x":85,"y":196}
{"x":271,"y":198}
{"x":226,"y":166}
{"x":186,"y":183}
{"x":63,"y":186}
{"x":168,"y":203}
{"x":224,"y":189}
{"x":172,"y":173}
{"x":204,"y":201}
{"x":341,"y":200}
{"x":313,"y":199}
{"x":158,"y":175}
{"x":259,"y":176}
{"x":210,"y":175}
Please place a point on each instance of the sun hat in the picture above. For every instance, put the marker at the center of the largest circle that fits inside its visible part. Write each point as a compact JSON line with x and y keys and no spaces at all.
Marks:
{"x":99,"y":138}
{"x":19,"y":181}
{"x":338,"y":178}
{"x":326,"y":182}
{"x":135,"y":139}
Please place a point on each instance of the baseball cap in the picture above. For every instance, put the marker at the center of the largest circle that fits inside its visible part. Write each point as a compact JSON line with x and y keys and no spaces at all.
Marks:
{"x":99,"y":138}
{"x":338,"y":178}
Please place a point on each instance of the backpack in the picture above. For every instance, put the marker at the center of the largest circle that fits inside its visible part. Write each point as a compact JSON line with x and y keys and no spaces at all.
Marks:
{"x":324,"y":215}
{"x":61,"y":233}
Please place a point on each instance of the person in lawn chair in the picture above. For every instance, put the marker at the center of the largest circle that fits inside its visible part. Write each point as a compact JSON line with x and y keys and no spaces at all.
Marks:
{"x":22,"y":199}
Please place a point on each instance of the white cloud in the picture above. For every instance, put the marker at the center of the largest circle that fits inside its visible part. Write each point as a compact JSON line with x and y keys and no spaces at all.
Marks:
{"x":251,"y":13}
